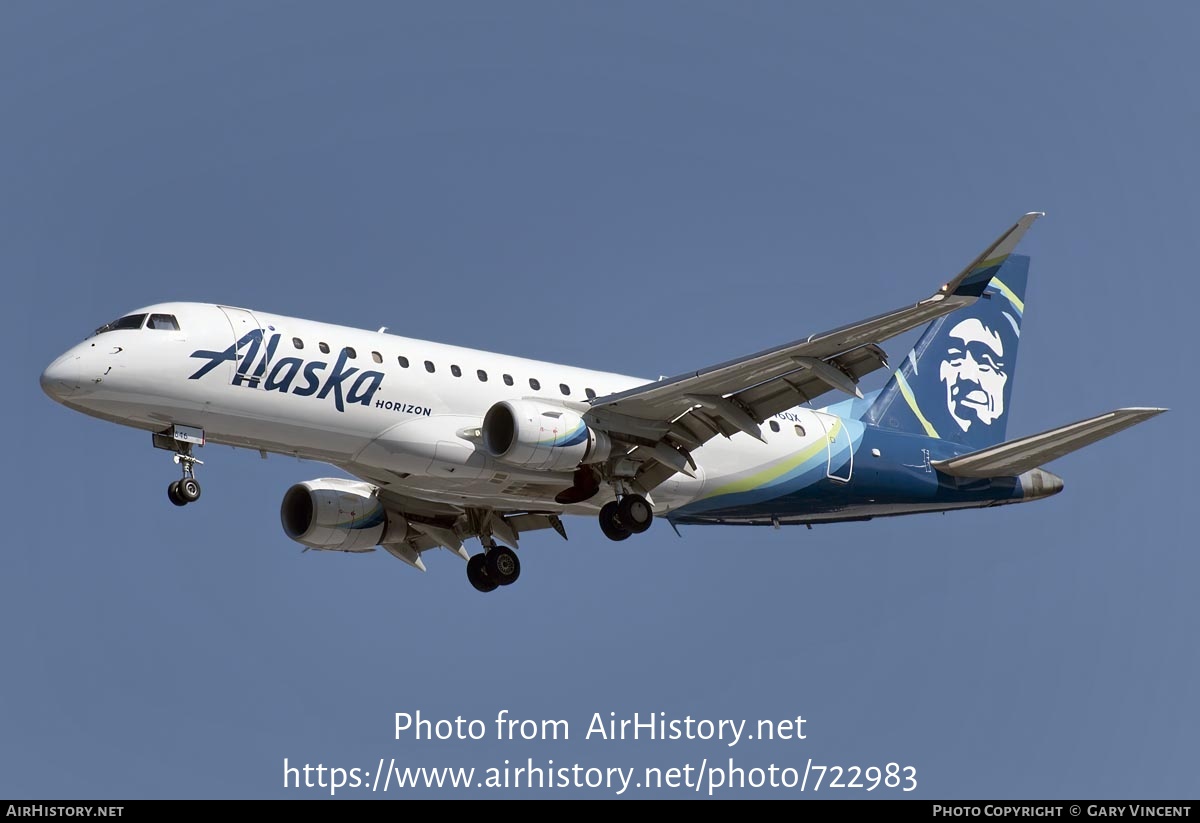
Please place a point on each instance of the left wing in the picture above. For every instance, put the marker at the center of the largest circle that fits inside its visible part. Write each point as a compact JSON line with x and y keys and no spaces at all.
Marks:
{"x":668,"y":418}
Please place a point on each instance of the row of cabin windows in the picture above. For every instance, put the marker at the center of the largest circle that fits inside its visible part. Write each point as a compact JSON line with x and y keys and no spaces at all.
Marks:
{"x":534,"y":383}
{"x":799,"y":428}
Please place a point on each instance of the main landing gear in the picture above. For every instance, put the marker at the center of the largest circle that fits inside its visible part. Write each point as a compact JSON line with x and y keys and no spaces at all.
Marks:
{"x":631,"y":514}
{"x":494,"y":567}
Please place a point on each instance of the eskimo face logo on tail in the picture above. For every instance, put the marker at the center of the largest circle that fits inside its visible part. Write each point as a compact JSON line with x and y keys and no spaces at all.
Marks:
{"x":258,"y":369}
{"x":978,"y":353}
{"x":974,"y":373}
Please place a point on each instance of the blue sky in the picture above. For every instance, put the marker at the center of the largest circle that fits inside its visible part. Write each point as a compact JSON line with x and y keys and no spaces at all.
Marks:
{"x":644,"y":188}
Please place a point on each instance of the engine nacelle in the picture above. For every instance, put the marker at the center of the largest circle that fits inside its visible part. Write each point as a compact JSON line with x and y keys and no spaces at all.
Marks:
{"x":338,"y":515}
{"x":541,"y":436}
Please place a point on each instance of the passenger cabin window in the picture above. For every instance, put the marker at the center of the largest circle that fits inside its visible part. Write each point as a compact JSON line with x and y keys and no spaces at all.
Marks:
{"x":429,"y":366}
{"x":129,"y":321}
{"x":774,"y":426}
{"x":403,"y":361}
{"x":350,"y":353}
{"x":297,"y":343}
{"x":508,"y":381}
{"x":564,"y":388}
{"x":163,"y":321}
{"x":534,"y":384}
{"x":591,"y":393}
{"x":799,"y":430}
{"x":324,"y":347}
{"x":482,"y":375}
{"x":377,"y":357}
{"x":456,"y":371}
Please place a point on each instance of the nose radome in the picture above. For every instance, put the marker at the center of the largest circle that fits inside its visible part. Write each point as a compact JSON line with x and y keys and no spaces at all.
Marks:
{"x":61,"y":378}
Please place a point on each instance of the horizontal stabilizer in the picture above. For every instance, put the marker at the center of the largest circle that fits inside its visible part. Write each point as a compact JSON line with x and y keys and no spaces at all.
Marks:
{"x":1016,"y":456}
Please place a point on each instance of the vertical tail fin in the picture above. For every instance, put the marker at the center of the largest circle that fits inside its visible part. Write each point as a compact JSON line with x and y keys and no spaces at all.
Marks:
{"x":956,"y":382}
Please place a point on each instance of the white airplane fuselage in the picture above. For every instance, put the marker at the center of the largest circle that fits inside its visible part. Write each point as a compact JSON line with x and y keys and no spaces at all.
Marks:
{"x":366,"y":412}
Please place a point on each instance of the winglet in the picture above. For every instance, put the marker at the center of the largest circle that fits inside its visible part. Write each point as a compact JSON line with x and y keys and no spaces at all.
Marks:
{"x":972,"y":280}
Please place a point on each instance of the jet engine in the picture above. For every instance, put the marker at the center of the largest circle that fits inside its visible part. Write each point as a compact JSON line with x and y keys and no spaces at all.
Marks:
{"x":338,"y":515}
{"x":541,"y":436}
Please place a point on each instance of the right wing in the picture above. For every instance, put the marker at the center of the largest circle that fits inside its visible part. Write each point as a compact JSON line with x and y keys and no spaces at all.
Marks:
{"x":668,"y":418}
{"x":1016,"y":456}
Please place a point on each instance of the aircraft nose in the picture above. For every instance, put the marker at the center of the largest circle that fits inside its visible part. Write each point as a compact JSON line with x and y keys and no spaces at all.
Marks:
{"x":61,"y":378}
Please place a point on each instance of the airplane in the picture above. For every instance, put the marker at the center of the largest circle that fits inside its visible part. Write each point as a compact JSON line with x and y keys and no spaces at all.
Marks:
{"x":449,"y":444}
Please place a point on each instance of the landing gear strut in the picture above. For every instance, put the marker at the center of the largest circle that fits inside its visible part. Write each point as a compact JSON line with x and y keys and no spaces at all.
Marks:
{"x":629,"y":515}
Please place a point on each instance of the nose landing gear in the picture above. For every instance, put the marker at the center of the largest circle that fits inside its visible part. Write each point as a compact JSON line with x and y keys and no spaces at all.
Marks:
{"x":187,"y":490}
{"x":179,"y":439}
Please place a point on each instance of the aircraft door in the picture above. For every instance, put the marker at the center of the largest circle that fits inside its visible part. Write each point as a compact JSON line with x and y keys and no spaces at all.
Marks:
{"x":837,"y":438}
{"x":255,"y":347}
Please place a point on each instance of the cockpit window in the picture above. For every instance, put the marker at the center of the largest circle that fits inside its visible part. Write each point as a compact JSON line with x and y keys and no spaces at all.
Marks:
{"x":129,"y":321}
{"x":163,"y":321}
